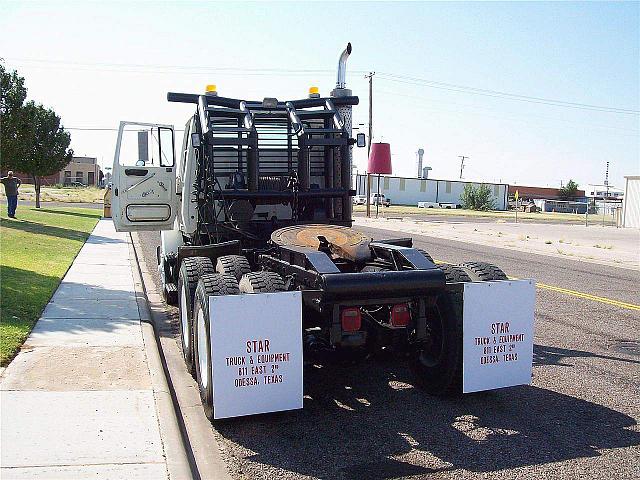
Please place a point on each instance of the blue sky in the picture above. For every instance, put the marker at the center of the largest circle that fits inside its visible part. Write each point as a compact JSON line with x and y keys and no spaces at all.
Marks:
{"x":82,"y":59}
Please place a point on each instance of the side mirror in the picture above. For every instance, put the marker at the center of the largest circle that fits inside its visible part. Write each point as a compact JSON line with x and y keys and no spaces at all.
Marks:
{"x":361,"y":140}
{"x":195,"y":139}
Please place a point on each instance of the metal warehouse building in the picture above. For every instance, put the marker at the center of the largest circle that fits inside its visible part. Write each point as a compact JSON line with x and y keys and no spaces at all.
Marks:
{"x":410,"y":191}
{"x":631,"y":202}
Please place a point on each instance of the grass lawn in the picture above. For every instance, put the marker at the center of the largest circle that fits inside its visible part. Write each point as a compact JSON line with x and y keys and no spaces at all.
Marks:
{"x":36,"y":249}
{"x":498,"y":215}
{"x":60,"y":194}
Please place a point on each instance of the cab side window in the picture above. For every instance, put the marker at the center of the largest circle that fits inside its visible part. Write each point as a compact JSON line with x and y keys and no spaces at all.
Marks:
{"x":146,"y":147}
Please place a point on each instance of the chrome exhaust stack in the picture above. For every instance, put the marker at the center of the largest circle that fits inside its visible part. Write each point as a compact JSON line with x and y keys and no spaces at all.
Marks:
{"x":341,"y":89}
{"x":341,"y":81}
{"x":343,"y":160}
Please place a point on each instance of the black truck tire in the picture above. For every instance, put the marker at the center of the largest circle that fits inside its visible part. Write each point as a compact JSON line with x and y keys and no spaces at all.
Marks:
{"x":437,"y":366}
{"x":169,"y":287}
{"x":261,"y":282}
{"x":191,"y":269}
{"x":440,"y":372}
{"x":454,"y":273}
{"x":236,"y":265}
{"x":210,"y":284}
{"x":483,"y":271}
{"x":169,"y":291}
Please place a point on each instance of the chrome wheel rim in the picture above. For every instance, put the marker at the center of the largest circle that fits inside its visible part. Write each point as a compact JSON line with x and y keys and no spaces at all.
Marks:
{"x":203,"y":350}
{"x":184,"y":320}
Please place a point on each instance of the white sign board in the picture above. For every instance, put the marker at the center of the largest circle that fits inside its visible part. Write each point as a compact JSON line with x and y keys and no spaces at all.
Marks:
{"x":256,"y":353}
{"x":497,"y":334}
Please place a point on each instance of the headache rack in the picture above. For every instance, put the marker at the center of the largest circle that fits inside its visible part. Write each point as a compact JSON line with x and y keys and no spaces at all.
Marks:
{"x":295,"y":153}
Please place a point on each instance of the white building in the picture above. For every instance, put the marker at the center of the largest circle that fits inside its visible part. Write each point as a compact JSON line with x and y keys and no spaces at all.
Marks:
{"x":602,"y":192}
{"x":631,"y":202}
{"x":410,"y":191}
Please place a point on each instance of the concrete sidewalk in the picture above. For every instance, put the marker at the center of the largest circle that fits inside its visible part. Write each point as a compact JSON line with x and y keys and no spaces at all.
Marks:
{"x":79,"y":400}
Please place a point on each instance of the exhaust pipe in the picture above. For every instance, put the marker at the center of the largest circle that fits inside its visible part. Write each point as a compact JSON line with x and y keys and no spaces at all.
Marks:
{"x":341,"y":82}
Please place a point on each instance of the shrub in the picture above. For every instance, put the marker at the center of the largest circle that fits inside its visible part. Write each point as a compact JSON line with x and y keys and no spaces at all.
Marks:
{"x":477,"y":197}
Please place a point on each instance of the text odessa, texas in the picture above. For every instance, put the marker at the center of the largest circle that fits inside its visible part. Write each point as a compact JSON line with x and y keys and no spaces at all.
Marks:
{"x":263,"y":370}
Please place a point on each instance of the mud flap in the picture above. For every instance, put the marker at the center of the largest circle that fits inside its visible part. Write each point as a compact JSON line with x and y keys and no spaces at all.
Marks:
{"x":497,"y":334}
{"x":256,"y":353}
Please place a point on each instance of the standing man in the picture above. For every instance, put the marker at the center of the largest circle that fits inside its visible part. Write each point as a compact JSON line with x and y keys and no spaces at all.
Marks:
{"x":11,"y":185}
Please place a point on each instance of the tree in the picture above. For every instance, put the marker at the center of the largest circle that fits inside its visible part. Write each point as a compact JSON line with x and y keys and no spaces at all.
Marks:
{"x":46,"y":144}
{"x":13,"y":93}
{"x":477,"y":197}
{"x":32,"y":140}
{"x":570,"y":190}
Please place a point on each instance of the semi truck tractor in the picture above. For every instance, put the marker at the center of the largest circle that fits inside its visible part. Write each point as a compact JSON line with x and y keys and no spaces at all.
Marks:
{"x":256,"y":197}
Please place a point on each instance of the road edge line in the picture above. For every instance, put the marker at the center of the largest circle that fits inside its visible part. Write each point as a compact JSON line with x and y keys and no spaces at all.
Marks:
{"x":588,"y":296}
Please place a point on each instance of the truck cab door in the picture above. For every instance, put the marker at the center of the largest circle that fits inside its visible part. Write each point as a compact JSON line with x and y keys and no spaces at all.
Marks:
{"x":144,"y":178}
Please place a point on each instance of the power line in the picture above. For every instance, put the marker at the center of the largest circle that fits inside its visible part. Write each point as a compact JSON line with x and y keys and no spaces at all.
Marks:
{"x":91,"y":129}
{"x":468,"y":109}
{"x":197,"y":68}
{"x":497,"y":94}
{"x":370,"y":77}
{"x":106,"y":129}
{"x":405,"y":79}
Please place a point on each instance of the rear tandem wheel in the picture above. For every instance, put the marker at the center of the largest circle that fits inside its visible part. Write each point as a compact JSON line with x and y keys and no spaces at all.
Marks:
{"x":483,"y":271}
{"x":211,"y":284}
{"x":236,"y":265}
{"x":261,"y":282}
{"x":191,"y":269}
{"x":438,"y":365}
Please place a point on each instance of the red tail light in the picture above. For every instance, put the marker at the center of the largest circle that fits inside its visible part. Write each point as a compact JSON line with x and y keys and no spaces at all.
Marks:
{"x":351,"y":319}
{"x":400,"y":315}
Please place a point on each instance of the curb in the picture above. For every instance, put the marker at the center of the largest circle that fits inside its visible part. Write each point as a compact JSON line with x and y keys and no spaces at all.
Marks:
{"x":178,"y":464}
{"x":202,"y":447}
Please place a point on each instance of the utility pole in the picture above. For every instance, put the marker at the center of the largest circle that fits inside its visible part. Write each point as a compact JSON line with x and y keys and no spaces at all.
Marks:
{"x":462,"y":159}
{"x":606,"y":200}
{"x":370,"y":77}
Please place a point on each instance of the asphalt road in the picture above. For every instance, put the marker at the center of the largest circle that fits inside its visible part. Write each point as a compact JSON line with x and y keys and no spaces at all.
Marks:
{"x":365,"y":420}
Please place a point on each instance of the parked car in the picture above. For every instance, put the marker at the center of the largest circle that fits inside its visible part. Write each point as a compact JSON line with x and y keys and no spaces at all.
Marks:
{"x":428,"y":205}
{"x":449,"y":205}
{"x":438,"y":205}
{"x":359,"y":199}
{"x":379,"y":198}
